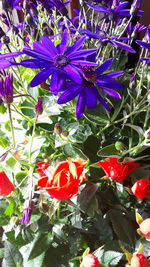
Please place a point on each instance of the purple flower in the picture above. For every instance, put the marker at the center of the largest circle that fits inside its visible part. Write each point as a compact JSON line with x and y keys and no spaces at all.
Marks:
{"x":133,"y":30}
{"x":60,"y":61}
{"x":26,"y":216}
{"x":116,"y":11}
{"x":113,"y":40}
{"x":6,"y":88}
{"x":93,"y":84}
{"x":39,"y":106}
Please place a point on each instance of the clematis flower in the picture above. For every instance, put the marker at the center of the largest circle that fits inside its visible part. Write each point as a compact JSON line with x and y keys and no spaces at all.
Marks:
{"x":60,"y":61}
{"x":89,"y":91}
{"x":62,"y":183}
{"x":141,"y":188}
{"x":6,"y":186}
{"x":118,"y":171}
{"x":144,"y":228}
{"x":139,"y":260}
{"x":6,"y":88}
{"x":90,"y":260}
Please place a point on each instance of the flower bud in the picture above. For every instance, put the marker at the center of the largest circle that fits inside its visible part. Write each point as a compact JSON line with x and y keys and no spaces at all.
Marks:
{"x":145,"y":228}
{"x":58,"y":128}
{"x":90,"y":260}
{"x":141,"y":188}
{"x":119,"y":145}
{"x":139,"y":260}
{"x":39,"y":106}
{"x":5,"y":39}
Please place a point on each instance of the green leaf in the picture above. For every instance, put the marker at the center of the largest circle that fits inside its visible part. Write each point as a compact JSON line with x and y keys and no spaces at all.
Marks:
{"x":2,"y":109}
{"x":1,"y":253}
{"x":108,"y":151}
{"x":10,"y":209}
{"x":122,"y":226}
{"x":27,"y":109}
{"x":12,"y":255}
{"x":90,"y":148}
{"x":40,"y":245}
{"x":38,"y":261}
{"x":112,"y":257}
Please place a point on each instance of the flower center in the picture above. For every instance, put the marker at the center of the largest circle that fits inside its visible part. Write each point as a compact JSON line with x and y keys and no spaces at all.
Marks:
{"x":61,"y":60}
{"x":89,"y":74}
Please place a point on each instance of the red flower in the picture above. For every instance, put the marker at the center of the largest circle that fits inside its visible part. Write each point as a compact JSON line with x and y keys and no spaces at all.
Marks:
{"x":90,"y":260}
{"x":118,"y":170}
{"x":141,"y":188}
{"x":6,"y":186}
{"x":139,"y":260}
{"x":145,"y":227}
{"x":62,"y":183}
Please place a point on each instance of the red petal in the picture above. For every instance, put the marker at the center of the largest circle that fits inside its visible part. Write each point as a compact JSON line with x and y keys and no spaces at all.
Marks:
{"x":6,"y":186}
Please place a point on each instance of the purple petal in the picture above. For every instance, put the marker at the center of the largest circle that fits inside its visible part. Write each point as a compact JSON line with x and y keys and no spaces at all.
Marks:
{"x":82,"y":53}
{"x":76,"y":46}
{"x":64,"y":42}
{"x":4,"y":64}
{"x":102,"y":101}
{"x":123,"y":46}
{"x":83,"y":63}
{"x":109,"y":83}
{"x":111,"y":93}
{"x":91,"y":97}
{"x":74,"y":73}
{"x":34,"y":63}
{"x":10,"y":55}
{"x":57,"y":82}
{"x":36,"y":54}
{"x":80,"y":107}
{"x":122,"y":6}
{"x":104,"y":66}
{"x":70,"y":94}
{"x":41,"y":77}
{"x":143,"y":44}
{"x":113,"y":74}
{"x":40,"y":48}
{"x":100,"y":8}
{"x":48,"y":44}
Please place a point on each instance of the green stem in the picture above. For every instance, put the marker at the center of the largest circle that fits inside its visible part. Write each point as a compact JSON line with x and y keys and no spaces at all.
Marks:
{"x":32,"y":138}
{"x":11,"y":126}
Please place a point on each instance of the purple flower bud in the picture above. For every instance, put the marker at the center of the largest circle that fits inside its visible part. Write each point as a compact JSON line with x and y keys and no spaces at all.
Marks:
{"x":136,"y":5}
{"x":26,"y":216}
{"x":39,"y":106}
{"x":6,"y":88}
{"x":58,"y":128}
